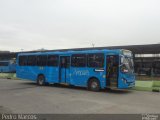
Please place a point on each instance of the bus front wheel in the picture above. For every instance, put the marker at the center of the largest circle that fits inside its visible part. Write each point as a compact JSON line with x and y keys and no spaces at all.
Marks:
{"x":94,"y":85}
{"x":41,"y":80}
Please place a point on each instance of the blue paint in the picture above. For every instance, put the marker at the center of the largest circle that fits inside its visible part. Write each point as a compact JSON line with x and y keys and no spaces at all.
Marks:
{"x":7,"y":67}
{"x":77,"y":76}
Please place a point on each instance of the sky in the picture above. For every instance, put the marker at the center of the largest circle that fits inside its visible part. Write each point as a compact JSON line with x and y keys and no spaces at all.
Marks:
{"x":61,"y":24}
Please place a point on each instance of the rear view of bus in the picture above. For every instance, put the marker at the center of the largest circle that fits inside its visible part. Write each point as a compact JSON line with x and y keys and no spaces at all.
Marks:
{"x":120,"y":70}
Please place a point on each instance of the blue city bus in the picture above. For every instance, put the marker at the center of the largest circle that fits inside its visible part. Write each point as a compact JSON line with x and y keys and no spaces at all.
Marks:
{"x":93,"y":69}
{"x":7,"y":66}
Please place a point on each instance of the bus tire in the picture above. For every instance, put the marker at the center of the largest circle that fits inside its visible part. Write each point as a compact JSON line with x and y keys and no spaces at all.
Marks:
{"x":41,"y":80}
{"x":94,"y":85}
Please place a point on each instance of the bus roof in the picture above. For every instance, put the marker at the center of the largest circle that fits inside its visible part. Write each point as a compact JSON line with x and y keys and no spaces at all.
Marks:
{"x":72,"y":52}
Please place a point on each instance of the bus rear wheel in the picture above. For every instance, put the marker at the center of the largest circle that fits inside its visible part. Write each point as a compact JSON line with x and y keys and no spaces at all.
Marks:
{"x":41,"y":80}
{"x":94,"y":85}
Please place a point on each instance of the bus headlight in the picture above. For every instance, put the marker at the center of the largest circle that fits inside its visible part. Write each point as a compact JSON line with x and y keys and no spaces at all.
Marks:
{"x":104,"y":76}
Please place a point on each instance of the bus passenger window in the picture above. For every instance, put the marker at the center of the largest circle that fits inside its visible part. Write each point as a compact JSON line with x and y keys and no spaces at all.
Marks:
{"x":52,"y":60}
{"x":79,"y":60}
{"x":68,"y":62}
{"x":96,"y":60}
{"x":41,"y":60}
{"x":32,"y":61}
{"x":22,"y":60}
{"x":65,"y":62}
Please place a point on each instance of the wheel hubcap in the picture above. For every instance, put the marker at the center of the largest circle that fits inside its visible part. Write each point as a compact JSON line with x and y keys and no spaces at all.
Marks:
{"x":40,"y":81}
{"x":94,"y":85}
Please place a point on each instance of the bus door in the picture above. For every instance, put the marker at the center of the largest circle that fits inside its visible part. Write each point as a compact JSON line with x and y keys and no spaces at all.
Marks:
{"x":64,"y":69}
{"x":112,"y":64}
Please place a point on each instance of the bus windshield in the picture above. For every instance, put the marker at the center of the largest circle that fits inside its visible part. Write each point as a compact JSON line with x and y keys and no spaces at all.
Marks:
{"x":127,"y":65}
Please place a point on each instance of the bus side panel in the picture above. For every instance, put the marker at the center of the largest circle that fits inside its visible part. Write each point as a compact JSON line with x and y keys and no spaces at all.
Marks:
{"x":33,"y":72}
{"x":80,"y":76}
{"x":21,"y":72}
{"x":27,"y":72}
{"x":52,"y":74}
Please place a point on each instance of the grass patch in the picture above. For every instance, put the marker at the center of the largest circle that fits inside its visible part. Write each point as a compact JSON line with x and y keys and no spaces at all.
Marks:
{"x":147,"y":85}
{"x":142,"y":89}
{"x":156,"y":86}
{"x":8,"y":75}
{"x":156,"y":83}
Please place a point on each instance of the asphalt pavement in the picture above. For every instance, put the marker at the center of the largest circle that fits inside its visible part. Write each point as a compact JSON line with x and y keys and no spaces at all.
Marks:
{"x":19,"y":96}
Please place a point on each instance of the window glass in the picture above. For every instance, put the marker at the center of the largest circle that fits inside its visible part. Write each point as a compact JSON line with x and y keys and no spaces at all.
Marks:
{"x":52,"y":60}
{"x":96,"y":60}
{"x":32,"y":61}
{"x":42,"y":60}
{"x":65,"y":62}
{"x":22,"y":60}
{"x":4,"y":63}
{"x":79,"y":60}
